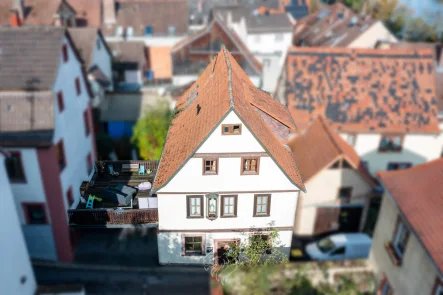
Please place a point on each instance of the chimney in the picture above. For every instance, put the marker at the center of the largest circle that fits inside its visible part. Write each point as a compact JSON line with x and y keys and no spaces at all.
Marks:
{"x":19,"y":7}
{"x":109,"y":12}
{"x":14,"y":18}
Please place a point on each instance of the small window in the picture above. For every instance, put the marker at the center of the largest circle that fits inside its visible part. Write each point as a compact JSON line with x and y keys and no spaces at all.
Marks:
{"x":261,"y":241}
{"x":70,"y":197}
{"x":400,"y":239}
{"x":385,"y":288}
{"x":398,"y":166}
{"x":346,"y":164}
{"x":345,"y":194}
{"x":61,"y":103}
{"x":352,"y":139}
{"x":148,"y":30}
{"x":119,"y":31}
{"x":98,"y":43}
{"x":193,"y":246}
{"x":171,"y":31}
{"x":61,"y":155}
{"x":65,"y":53}
{"x":129,"y":31}
{"x":231,"y":129}
{"x":336,"y":165}
{"x":14,"y":167}
{"x":86,"y":122}
{"x":391,"y":143}
{"x":438,"y":287}
{"x":78,"y":88}
{"x":89,"y":163}
{"x":262,"y":205}
{"x":250,"y":165}
{"x":195,"y":206}
{"x":210,"y":166}
{"x":229,"y":206}
{"x":278,"y":37}
{"x":338,"y":251}
{"x":35,"y":213}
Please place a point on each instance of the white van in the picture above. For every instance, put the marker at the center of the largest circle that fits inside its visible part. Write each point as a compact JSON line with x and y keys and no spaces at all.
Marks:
{"x":340,"y":247}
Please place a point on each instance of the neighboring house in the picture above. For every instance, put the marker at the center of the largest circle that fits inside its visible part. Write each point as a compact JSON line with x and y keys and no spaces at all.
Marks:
{"x":16,"y":274}
{"x":129,"y":64}
{"x":267,"y":36}
{"x":191,"y":55}
{"x":225,"y":168}
{"x":37,"y":12}
{"x":406,"y":252}
{"x":46,"y":126}
{"x":339,"y":26}
{"x":158,"y":23}
{"x":383,"y":102}
{"x":88,"y":12}
{"x":97,"y":58}
{"x":337,"y":183}
{"x":159,"y":65}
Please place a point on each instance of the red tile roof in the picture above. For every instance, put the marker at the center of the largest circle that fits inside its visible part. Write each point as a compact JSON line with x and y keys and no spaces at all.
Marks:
{"x":418,"y":192}
{"x":88,"y":12}
{"x":319,"y":146}
{"x":362,"y":90}
{"x":222,"y":87}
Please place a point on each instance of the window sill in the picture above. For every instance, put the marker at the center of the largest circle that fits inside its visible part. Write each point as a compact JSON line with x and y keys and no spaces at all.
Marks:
{"x":228,"y":216}
{"x":194,"y":217}
{"x":193,"y":255}
{"x":391,"y":252}
{"x":261,"y":215}
{"x":249,"y":173}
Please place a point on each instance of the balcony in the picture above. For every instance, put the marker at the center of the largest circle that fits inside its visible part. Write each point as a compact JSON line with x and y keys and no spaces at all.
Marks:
{"x":112,"y":182}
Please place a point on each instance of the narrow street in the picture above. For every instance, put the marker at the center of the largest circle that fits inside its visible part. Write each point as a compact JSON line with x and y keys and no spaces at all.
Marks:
{"x":161,"y":280}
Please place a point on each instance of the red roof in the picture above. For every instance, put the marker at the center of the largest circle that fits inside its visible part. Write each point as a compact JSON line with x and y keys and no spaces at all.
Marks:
{"x":319,"y":146}
{"x":363,"y":90}
{"x":222,"y":87}
{"x":418,"y":192}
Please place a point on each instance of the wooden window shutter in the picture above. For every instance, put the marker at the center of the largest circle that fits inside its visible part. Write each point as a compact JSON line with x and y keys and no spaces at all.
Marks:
{"x":188,"y":212}
{"x":235,"y":205}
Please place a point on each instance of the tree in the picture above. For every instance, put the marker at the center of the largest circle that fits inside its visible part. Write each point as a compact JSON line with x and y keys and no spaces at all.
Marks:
{"x":384,"y":9}
{"x":150,"y":131}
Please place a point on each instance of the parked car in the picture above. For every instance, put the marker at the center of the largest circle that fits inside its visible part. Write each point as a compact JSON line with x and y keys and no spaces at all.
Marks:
{"x":340,"y":247}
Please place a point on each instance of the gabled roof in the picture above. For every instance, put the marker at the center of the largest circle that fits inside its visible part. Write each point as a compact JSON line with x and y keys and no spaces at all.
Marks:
{"x":252,"y":61}
{"x":85,"y":41}
{"x":221,"y":88}
{"x":39,"y":12}
{"x":129,"y":52}
{"x":418,"y":192}
{"x":332,"y":26}
{"x":362,"y":90}
{"x":88,"y":12}
{"x":319,"y":146}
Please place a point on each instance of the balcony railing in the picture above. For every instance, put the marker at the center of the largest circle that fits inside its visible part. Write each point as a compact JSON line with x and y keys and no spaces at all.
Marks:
{"x":103,"y":217}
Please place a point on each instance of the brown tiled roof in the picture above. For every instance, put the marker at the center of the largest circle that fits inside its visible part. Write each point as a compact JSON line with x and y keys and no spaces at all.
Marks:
{"x":418,"y":192}
{"x":129,"y":52}
{"x":362,"y":90}
{"x":88,"y":12}
{"x":160,"y":61}
{"x":436,"y":48}
{"x":209,"y":30}
{"x":330,"y":26}
{"x":319,"y":146}
{"x":26,"y":118}
{"x":221,"y":88}
{"x":160,"y":14}
{"x":85,"y":41}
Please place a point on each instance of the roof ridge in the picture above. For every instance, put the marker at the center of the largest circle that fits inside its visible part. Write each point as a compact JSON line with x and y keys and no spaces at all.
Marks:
{"x":328,"y":132}
{"x":228,"y":64}
{"x":413,"y":168}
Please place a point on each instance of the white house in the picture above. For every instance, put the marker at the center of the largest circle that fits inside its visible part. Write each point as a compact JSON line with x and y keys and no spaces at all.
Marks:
{"x":97,"y":59}
{"x":267,"y":37}
{"x":406,"y":248}
{"x":338,"y":184}
{"x":16,"y":275}
{"x":46,"y":126}
{"x":338,"y":26}
{"x":382,"y":102}
{"x":225,"y":167}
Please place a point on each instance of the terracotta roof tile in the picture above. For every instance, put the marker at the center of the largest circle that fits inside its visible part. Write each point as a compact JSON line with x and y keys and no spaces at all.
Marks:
{"x":41,"y":12}
{"x":418,"y":192}
{"x":319,"y":146}
{"x":160,"y":61}
{"x":221,"y":87}
{"x":88,"y":12}
{"x":362,"y":90}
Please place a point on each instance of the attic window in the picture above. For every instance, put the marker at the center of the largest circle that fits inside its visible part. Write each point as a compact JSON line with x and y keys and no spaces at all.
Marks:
{"x":231,"y":129}
{"x":341,"y":164}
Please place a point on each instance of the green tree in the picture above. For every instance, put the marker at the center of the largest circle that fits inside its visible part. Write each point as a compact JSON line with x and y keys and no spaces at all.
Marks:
{"x":384,"y":9}
{"x":150,"y":131}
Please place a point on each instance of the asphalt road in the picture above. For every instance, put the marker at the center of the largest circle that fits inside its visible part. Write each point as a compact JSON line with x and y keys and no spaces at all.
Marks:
{"x":165,"y":280}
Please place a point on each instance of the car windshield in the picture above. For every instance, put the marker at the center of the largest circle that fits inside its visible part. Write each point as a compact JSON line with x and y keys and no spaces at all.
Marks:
{"x":325,"y":245}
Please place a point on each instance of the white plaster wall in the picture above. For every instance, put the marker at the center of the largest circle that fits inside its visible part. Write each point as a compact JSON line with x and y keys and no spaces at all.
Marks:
{"x":102,"y":59}
{"x":169,"y":246}
{"x":268,"y":42}
{"x":14,"y":255}
{"x":190,"y":178}
{"x":417,"y":149}
{"x":323,"y":189}
{"x":417,"y":274}
{"x":377,"y":32}
{"x":271,"y":69}
{"x":70,"y":126}
{"x":133,"y":77}
{"x":149,"y":40}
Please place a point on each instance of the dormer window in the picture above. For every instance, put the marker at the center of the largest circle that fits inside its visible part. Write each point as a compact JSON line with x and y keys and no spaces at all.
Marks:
{"x":391,"y":143}
{"x":231,"y":129}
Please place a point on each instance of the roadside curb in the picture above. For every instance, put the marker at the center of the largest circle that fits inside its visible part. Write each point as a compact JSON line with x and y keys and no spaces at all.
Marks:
{"x":77,"y":266}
